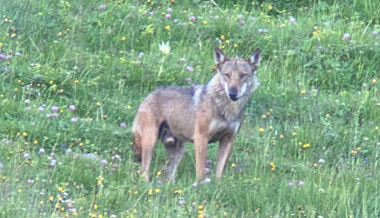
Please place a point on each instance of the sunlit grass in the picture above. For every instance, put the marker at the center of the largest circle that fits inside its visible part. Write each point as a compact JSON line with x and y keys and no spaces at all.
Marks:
{"x":74,"y":72}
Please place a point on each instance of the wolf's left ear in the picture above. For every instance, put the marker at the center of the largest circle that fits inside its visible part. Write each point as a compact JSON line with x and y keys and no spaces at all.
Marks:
{"x":255,"y":57}
{"x":219,"y":56}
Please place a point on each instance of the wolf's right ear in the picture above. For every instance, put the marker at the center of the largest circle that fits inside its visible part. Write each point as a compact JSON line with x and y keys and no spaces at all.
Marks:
{"x":219,"y":56}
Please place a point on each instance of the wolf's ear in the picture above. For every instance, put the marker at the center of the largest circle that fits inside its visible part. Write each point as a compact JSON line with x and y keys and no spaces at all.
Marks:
{"x":254,"y":58}
{"x":219,"y":56}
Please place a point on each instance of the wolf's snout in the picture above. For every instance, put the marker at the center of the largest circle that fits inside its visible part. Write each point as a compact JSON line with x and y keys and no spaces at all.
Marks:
{"x":233,"y":94}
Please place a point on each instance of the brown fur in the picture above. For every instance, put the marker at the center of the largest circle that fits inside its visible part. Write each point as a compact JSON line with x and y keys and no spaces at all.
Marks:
{"x":208,"y":113}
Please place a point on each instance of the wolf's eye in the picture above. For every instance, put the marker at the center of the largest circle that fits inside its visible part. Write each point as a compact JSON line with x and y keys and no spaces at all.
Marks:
{"x":227,"y":75}
{"x":243,"y":76}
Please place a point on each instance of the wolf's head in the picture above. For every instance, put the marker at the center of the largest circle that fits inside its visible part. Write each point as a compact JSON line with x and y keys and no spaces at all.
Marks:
{"x":237,"y":74}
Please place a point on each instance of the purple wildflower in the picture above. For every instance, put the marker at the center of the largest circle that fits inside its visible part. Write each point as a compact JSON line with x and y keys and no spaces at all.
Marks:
{"x":72,"y":107}
{"x":41,"y":150}
{"x":346,"y":36}
{"x":68,"y":151}
{"x":292,"y":20}
{"x":3,"y":56}
{"x":53,"y":162}
{"x":301,"y":183}
{"x":189,"y":69}
{"x":104,"y":162}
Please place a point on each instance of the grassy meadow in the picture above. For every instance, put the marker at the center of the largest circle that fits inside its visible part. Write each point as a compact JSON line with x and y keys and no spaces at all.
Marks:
{"x":72,"y":75}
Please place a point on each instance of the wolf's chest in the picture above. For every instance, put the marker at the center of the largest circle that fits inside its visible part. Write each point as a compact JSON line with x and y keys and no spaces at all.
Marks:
{"x":220,"y":127}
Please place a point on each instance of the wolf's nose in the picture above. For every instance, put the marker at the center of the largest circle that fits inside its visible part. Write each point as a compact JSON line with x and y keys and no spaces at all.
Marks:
{"x":233,"y":94}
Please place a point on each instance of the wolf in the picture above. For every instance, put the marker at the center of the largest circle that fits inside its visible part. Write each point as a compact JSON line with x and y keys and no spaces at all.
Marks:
{"x":203,"y":114}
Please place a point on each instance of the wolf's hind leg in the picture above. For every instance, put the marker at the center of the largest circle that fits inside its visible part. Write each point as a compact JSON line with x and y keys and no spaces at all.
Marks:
{"x":145,"y":130}
{"x":175,"y":152}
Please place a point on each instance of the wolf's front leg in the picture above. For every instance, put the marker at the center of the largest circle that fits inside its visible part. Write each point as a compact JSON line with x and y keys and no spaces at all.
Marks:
{"x":201,"y":134}
{"x":224,"y":153}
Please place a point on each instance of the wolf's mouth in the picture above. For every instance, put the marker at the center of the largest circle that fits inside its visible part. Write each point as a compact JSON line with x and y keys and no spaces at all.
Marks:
{"x":234,"y":98}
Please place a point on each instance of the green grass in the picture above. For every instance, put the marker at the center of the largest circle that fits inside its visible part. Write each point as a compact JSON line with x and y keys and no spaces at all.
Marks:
{"x":308,"y":147}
